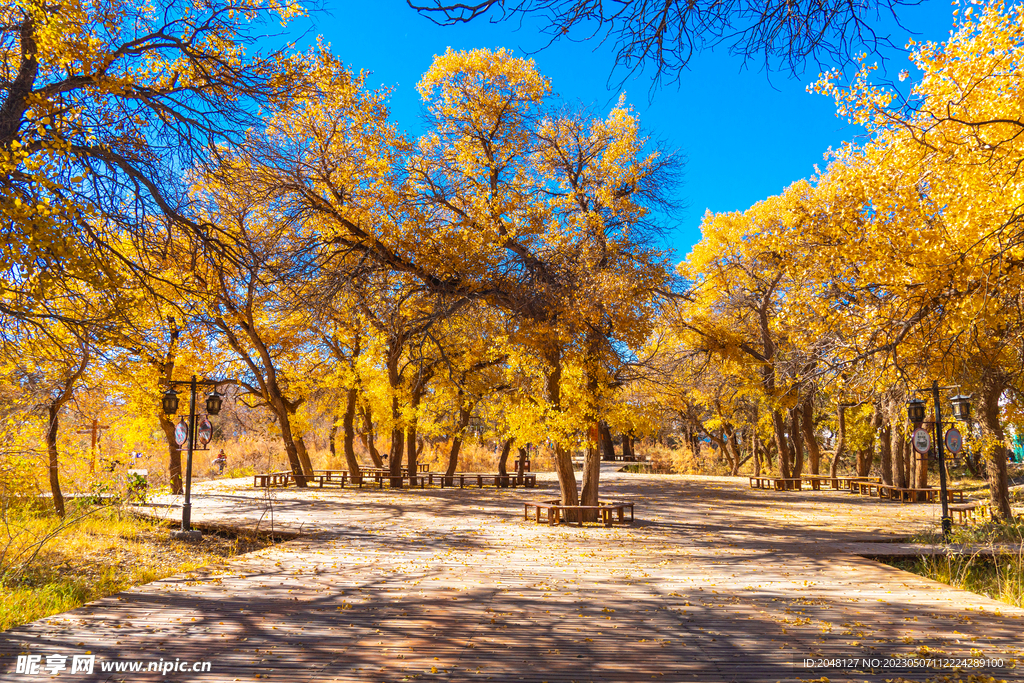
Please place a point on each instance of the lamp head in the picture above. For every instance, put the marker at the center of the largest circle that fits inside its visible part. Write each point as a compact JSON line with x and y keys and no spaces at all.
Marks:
{"x":170,"y":401}
{"x":915,"y":411}
{"x":213,"y":402}
{"x":961,"y":407}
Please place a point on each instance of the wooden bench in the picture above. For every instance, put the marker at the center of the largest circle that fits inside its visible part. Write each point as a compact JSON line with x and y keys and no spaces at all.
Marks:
{"x":930,"y":494}
{"x":462,"y":479}
{"x":970,"y":510}
{"x":381,"y":478}
{"x":867,"y":488}
{"x":271,"y":479}
{"x":333,"y":477}
{"x":510,"y":480}
{"x":816,"y":480}
{"x":850,"y":483}
{"x":778,"y":483}
{"x":956,"y":495}
{"x":555,"y":510}
{"x":373,"y":471}
{"x":319,"y":477}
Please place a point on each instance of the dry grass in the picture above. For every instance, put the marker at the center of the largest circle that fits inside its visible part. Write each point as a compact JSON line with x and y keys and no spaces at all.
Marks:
{"x":684,"y":461}
{"x":997,"y":574}
{"x":103,"y":552}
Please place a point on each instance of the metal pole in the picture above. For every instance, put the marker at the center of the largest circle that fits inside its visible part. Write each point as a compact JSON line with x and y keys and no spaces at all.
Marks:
{"x":947,"y":521}
{"x":186,"y":509}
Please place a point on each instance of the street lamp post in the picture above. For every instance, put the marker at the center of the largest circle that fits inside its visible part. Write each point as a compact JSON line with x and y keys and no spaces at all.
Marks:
{"x":169,"y":402}
{"x":961,"y":411}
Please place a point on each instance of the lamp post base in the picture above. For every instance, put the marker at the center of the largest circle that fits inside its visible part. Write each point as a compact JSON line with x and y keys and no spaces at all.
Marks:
{"x":192,"y":535}
{"x":947,"y":528}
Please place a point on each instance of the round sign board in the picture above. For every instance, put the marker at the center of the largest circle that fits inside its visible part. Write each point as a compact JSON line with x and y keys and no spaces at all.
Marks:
{"x":954,"y":440}
{"x":922,"y":440}
{"x":181,"y":433}
{"x":205,"y":431}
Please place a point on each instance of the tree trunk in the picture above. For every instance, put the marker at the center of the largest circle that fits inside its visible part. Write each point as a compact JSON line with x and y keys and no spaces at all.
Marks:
{"x":591,"y":474}
{"x":52,"y":428}
{"x":351,"y":398}
{"x":410,"y":439}
{"x":718,"y":441}
{"x":627,"y":447}
{"x":397,"y":433}
{"x":563,"y":459}
{"x":367,"y":437}
{"x":410,"y":451}
{"x":885,"y":448}
{"x":866,"y":457}
{"x":506,"y":448}
{"x":174,"y":464}
{"x":919,"y":473}
{"x":795,"y":432}
{"x":453,"y":454}
{"x":865,"y":460}
{"x":920,"y":469}
{"x":296,"y":465}
{"x":166,"y":370}
{"x":908,"y":459}
{"x":810,"y":440}
{"x":736,"y":455}
{"x":779,"y":427}
{"x":840,"y":441}
{"x":994,"y":449}
{"x":607,"y":445}
{"x":411,"y":454}
{"x":900,"y":464}
{"x":299,"y":464}
{"x":755,"y":447}
{"x":303,"y":453}
{"x":395,"y":457}
{"x":453,"y":459}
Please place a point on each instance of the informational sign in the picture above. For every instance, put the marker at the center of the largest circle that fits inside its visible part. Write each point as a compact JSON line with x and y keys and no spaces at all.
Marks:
{"x":181,"y":433}
{"x":922,"y":440}
{"x":954,"y":440}
{"x":205,"y":431}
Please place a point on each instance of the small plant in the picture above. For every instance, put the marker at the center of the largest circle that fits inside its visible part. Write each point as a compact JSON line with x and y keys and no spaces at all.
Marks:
{"x":138,"y":487}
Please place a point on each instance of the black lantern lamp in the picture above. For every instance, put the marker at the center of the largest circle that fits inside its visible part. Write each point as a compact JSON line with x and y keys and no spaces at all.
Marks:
{"x":213,"y":403}
{"x":170,"y":402}
{"x":915,"y":411}
{"x":961,"y":407}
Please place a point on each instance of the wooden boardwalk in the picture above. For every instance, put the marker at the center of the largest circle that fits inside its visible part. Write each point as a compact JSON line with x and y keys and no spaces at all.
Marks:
{"x":714,"y":582}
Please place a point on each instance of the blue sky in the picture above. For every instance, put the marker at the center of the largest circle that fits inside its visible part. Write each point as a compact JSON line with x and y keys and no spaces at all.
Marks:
{"x":746,"y":134}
